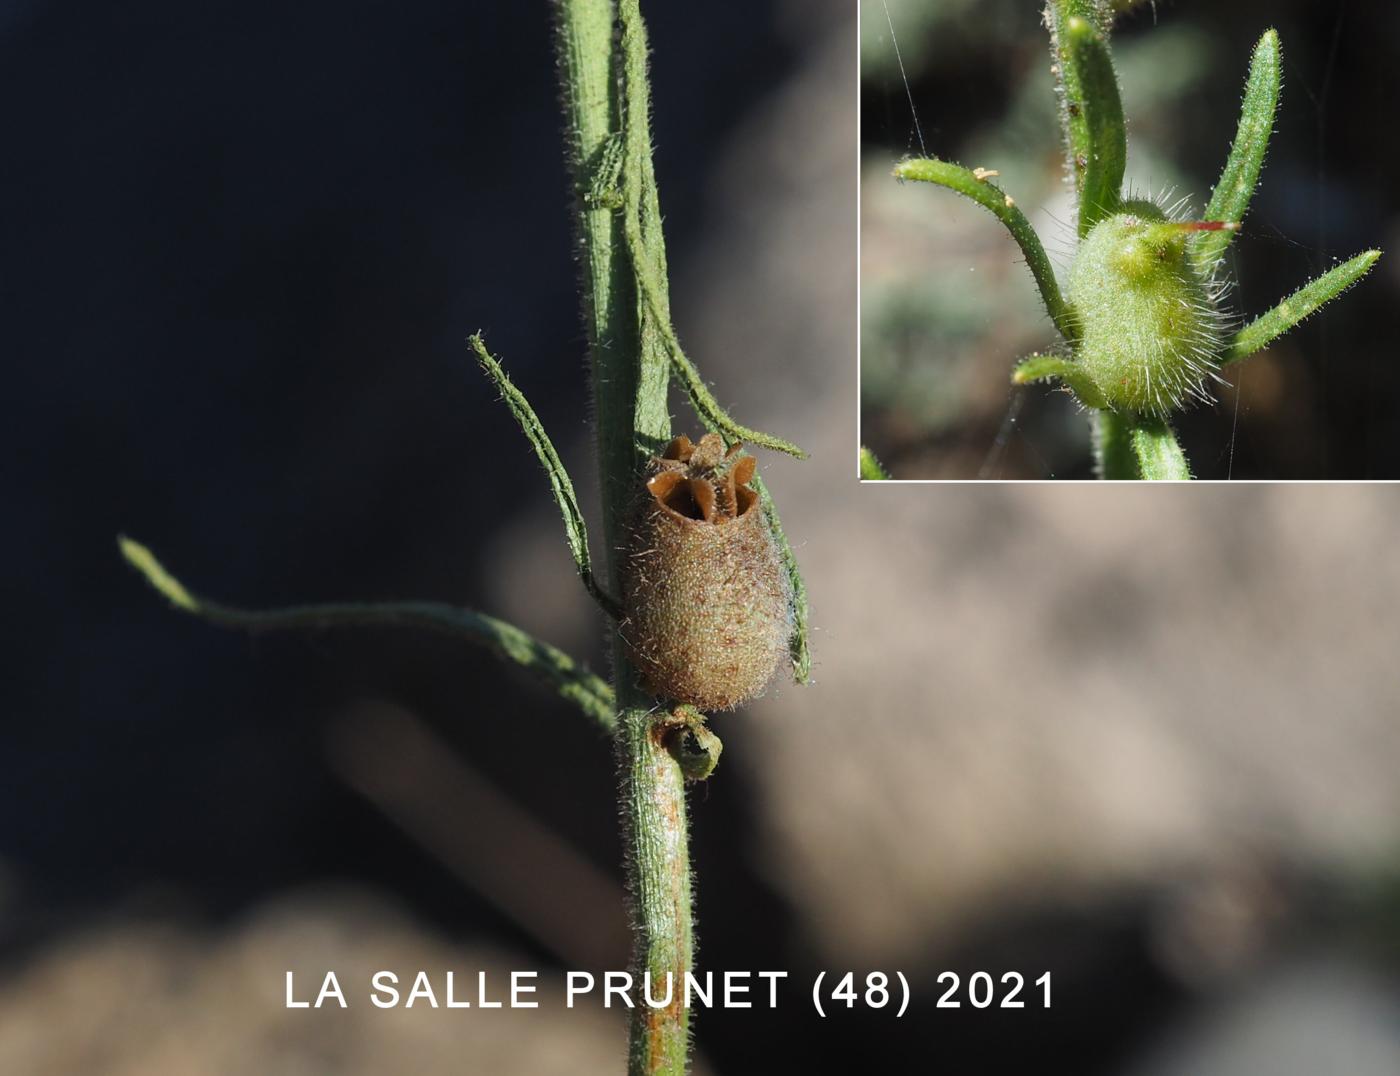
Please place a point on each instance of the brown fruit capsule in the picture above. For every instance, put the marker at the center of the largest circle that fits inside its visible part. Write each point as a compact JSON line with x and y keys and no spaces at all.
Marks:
{"x":706,"y":601}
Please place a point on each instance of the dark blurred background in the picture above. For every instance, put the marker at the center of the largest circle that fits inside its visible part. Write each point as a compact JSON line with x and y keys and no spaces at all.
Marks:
{"x":1145,"y":740}
{"x":947,"y":306}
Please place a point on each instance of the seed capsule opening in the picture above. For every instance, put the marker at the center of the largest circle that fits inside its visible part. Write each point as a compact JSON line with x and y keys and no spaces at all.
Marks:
{"x":704,"y":482}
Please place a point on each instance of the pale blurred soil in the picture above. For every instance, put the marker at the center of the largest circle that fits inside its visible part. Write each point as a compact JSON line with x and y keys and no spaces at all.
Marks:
{"x":136,"y":999}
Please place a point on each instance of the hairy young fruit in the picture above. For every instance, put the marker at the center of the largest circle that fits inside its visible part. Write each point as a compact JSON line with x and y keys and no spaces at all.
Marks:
{"x":706,"y":601}
{"x":1151,"y":326}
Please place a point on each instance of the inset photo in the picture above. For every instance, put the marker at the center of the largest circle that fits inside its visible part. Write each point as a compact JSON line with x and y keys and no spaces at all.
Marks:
{"x":1127,"y":240}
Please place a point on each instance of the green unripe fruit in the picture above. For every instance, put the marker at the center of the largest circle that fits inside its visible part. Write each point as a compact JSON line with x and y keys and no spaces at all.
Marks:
{"x":1150,"y":324}
{"x":706,"y":602}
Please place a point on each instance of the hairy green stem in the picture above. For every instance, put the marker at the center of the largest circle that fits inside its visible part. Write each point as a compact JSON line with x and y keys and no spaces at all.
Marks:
{"x":1114,"y":458}
{"x":630,"y":369}
{"x":1131,"y":447}
{"x":1159,"y":455}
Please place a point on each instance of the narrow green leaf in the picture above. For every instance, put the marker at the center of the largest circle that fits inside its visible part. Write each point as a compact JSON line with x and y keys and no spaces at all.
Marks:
{"x":1230,"y":199}
{"x":1270,"y":326}
{"x":575,"y":528}
{"x":1057,"y":368}
{"x":1091,"y":109}
{"x":1090,"y":70}
{"x":570,"y":679}
{"x":975,"y":185}
{"x":1159,"y":456}
{"x":799,"y":646}
{"x":871,"y":469}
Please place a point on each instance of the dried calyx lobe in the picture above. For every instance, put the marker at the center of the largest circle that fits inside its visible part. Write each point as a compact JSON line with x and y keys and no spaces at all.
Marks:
{"x":706,"y":601}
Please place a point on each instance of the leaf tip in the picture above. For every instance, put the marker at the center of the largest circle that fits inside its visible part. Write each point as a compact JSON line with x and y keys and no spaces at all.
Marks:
{"x":145,"y":562}
{"x":871,"y":469}
{"x":1079,"y":30}
{"x":131,"y":549}
{"x":1362,"y":263}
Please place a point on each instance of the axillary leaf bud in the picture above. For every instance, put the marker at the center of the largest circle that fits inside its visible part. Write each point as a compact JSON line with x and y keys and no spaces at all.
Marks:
{"x":706,"y":600}
{"x":691,"y":743}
